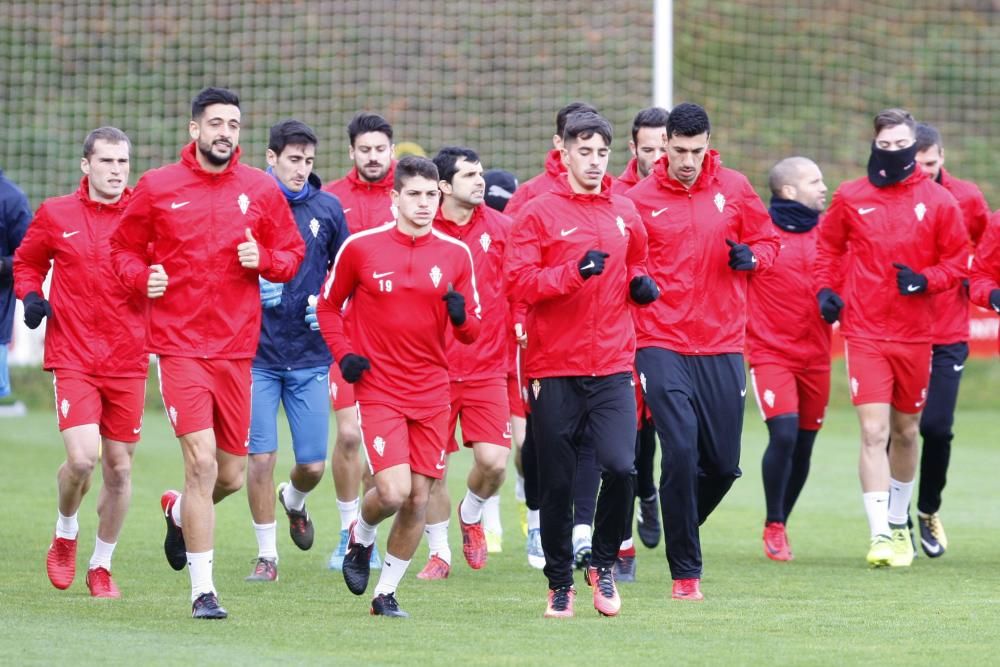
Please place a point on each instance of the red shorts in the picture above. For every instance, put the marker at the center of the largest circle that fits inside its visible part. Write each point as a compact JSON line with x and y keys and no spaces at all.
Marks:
{"x":209,"y":393}
{"x":888,"y":372}
{"x":392,"y":436}
{"x":482,"y":406}
{"x":784,"y":391}
{"x":341,"y":391}
{"x":114,"y":404}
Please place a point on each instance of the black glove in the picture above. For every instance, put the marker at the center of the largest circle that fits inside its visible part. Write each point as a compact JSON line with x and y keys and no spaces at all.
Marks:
{"x":35,"y":308}
{"x":741,"y":257}
{"x":829,"y":304}
{"x":643,"y":290}
{"x":995,"y":300}
{"x":592,"y":263}
{"x":352,"y":366}
{"x":909,"y":281}
{"x":456,"y":306}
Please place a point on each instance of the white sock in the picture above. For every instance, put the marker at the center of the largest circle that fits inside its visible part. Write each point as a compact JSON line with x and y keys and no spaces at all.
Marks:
{"x":200,"y":568}
{"x":267,"y":546}
{"x":900,"y":494}
{"x":534,"y":519}
{"x":627,"y":544}
{"x":102,"y":554}
{"x":348,"y":512}
{"x":581,"y":531}
{"x":491,"y":515}
{"x":294,"y":499}
{"x":67,"y":527}
{"x":175,"y":511}
{"x":472,"y":507}
{"x":364,"y":533}
{"x":519,"y":489}
{"x":393,"y":570}
{"x":877,"y":509}
{"x":437,"y":540}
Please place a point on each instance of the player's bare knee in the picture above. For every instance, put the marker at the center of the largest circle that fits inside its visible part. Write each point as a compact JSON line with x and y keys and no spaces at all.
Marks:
{"x":312,"y":472}
{"x":118,"y":476}
{"x":80,"y":468}
{"x":228,"y":483}
{"x":348,"y":438}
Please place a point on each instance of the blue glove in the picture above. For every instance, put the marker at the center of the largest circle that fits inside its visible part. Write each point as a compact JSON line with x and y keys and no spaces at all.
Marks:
{"x":311,"y":319}
{"x":741,"y":257}
{"x":270,"y":293}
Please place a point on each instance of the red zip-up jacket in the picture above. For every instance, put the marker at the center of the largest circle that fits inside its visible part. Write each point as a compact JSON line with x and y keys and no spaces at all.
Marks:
{"x":538,"y":185}
{"x":985,"y":274}
{"x":195,"y":220}
{"x":702,"y":309}
{"x":486,"y":236}
{"x":396,"y":283}
{"x":951,"y":308}
{"x":366,"y":205}
{"x":916,"y":223}
{"x":628,"y":178}
{"x":576,"y":327}
{"x":783,"y":326}
{"x":97,"y":327}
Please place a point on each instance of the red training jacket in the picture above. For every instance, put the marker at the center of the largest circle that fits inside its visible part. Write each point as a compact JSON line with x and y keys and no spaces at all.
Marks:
{"x":628,"y":179}
{"x":951,"y":308}
{"x":395,"y":282}
{"x":576,"y":327}
{"x":366,"y":205}
{"x":703,"y":306}
{"x":195,"y":220}
{"x":916,"y":223}
{"x":783,"y":325}
{"x":96,"y":326}
{"x":486,"y":235}
{"x":985,"y":275}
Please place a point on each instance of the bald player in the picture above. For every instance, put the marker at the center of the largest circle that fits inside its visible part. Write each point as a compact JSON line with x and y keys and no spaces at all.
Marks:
{"x":788,"y":345}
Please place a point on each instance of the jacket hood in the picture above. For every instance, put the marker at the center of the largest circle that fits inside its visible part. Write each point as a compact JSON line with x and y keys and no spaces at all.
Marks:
{"x":190,"y":160}
{"x":83,"y":194}
{"x":709,"y":168}
{"x":554,"y":164}
{"x":384,"y":184}
{"x":563,"y":189}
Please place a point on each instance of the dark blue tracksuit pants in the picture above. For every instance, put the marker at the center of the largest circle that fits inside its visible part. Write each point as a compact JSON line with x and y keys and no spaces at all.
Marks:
{"x":565,"y":413}
{"x":697,"y":406}
{"x":936,"y":423}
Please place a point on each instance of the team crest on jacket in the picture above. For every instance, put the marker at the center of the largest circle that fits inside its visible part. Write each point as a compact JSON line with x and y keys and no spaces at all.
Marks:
{"x":435,"y":275}
{"x":378,"y":444}
{"x":769,"y":398}
{"x":920,"y":210}
{"x":244,"y":202}
{"x":485,"y":241}
{"x":621,"y":224}
{"x":536,"y":388}
{"x":314,"y":227}
{"x":720,"y":201}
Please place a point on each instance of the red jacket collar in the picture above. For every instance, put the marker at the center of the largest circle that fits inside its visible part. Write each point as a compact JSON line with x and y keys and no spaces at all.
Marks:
{"x":189,"y":160}
{"x":709,"y":168}
{"x":450,"y":228}
{"x":384,"y":184}
{"x":563,"y":189}
{"x":83,"y":194}
{"x":408,"y":239}
{"x":553,"y":163}
{"x":631,"y":174}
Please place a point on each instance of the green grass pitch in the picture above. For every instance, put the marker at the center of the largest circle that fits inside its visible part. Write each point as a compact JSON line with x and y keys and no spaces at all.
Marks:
{"x":825,"y":607}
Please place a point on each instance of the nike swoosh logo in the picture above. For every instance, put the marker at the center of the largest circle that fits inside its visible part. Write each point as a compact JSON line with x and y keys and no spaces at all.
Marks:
{"x":376,"y":275}
{"x":66,"y":235}
{"x":179,"y":204}
{"x":136,"y":430}
{"x":567,"y":232}
{"x":320,"y":378}
{"x":743,"y":393}
{"x":866,"y":211}
{"x":588,"y":266}
{"x":931,"y":549}
{"x":656,"y":213}
{"x":958,"y":369}
{"x":912,"y":288}
{"x":346,"y":211}
{"x":439,"y":466}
